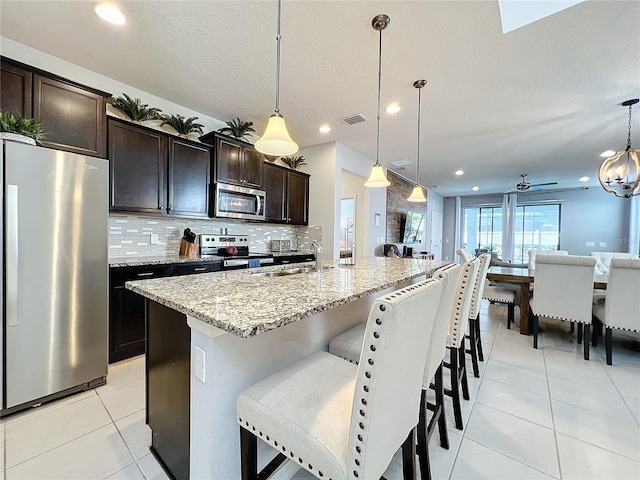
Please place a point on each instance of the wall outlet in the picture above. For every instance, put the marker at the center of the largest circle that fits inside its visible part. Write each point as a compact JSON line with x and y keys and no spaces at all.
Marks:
{"x":591,"y":244}
{"x":154,"y":239}
{"x":199,"y":362}
{"x":603,"y":244}
{"x":267,"y":238}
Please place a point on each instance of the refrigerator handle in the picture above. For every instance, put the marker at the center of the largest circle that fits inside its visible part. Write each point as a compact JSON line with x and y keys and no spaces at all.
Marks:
{"x":12,"y":256}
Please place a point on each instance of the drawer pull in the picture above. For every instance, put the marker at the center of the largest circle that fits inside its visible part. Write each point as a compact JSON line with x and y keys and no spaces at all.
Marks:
{"x":201,"y":269}
{"x":146,"y":274}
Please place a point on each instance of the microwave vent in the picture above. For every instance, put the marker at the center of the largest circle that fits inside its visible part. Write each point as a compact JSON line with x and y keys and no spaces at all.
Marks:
{"x":354,"y":119}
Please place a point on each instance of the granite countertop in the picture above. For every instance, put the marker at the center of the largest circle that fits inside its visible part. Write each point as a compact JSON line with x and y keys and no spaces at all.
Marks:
{"x":245,"y":305}
{"x":169,"y":259}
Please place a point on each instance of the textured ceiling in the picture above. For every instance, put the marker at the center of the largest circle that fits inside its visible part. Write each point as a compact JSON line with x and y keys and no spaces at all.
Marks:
{"x":542,"y":99}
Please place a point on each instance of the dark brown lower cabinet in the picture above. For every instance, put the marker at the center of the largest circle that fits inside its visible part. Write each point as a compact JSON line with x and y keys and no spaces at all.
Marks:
{"x":126,"y":308}
{"x":167,"y":397}
{"x":126,"y":311}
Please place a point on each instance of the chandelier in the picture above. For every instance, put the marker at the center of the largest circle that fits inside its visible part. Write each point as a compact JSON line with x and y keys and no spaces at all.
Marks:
{"x":620,"y":173}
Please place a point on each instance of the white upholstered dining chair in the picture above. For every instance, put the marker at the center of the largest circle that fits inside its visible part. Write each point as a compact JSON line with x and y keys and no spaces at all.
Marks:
{"x":564,"y":291}
{"x":339,"y":420}
{"x":536,"y":253}
{"x":621,"y":306}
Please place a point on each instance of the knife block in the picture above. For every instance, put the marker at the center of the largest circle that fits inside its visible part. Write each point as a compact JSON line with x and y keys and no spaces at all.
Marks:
{"x":187,"y":249}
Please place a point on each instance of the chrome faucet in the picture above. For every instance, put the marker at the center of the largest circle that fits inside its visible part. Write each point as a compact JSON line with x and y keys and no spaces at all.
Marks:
{"x":316,"y":248}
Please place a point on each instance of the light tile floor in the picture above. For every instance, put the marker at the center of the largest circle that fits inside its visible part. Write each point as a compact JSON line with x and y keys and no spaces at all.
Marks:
{"x":533,"y":414}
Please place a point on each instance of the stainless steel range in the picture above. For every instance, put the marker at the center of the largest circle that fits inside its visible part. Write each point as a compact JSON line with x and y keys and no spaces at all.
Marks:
{"x":234,"y":249}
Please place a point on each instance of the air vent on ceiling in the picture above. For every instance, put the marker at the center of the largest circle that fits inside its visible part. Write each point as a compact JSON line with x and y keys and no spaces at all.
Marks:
{"x":354,"y":119}
{"x":401,"y":163}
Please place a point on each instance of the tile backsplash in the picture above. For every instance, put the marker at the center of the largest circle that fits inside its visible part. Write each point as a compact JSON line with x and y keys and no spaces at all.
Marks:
{"x":130,"y":235}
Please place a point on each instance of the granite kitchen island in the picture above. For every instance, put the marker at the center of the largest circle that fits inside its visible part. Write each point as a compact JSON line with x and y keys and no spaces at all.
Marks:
{"x":212,"y":335}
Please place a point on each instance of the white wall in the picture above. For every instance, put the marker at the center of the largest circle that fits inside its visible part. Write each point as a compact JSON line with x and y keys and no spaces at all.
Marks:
{"x":435,"y":203}
{"x":353,"y":186}
{"x":590,"y":215}
{"x":324,"y":187}
{"x":374,"y":201}
{"x":36,"y":58}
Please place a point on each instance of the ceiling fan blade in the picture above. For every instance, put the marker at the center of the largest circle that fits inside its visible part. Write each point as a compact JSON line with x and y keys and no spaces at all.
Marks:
{"x":513,"y":190}
{"x":543,"y":184}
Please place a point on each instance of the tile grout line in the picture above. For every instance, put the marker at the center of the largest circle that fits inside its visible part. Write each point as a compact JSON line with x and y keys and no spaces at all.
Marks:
{"x":615,"y":386}
{"x":133,"y":457}
{"x":514,"y":416}
{"x":553,"y":418}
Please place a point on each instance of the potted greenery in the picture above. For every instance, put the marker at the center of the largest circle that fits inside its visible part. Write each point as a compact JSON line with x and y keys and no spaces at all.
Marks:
{"x":181,"y":125}
{"x":134,"y":108}
{"x":272,"y":158}
{"x":238,"y":128}
{"x":19,"y":128}
{"x":294,"y":161}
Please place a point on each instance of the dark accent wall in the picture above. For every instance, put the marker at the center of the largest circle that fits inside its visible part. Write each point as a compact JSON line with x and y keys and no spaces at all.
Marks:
{"x":397,"y":205}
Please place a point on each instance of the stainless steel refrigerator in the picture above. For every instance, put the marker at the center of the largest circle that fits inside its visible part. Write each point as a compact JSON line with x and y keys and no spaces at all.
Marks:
{"x":54,"y":273}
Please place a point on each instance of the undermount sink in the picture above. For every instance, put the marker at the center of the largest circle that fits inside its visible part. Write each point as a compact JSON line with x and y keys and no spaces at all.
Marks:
{"x":286,"y":272}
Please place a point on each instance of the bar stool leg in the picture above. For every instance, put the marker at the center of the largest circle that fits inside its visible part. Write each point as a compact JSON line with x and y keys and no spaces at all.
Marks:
{"x":409,"y":457}
{"x":248,"y":455}
{"x":442,"y":419}
{"x":463,"y":372}
{"x":473,"y":348}
{"x":479,"y":338}
{"x":423,"y":437}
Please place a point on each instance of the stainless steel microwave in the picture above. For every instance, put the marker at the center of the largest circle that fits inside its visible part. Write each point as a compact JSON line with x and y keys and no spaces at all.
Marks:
{"x":233,"y":201}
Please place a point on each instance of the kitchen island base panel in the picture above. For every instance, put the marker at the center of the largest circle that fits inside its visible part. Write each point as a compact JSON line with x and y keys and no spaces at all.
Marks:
{"x":168,"y":374}
{"x":233,"y":364}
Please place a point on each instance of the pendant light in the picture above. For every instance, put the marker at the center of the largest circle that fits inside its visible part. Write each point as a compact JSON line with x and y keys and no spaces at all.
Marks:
{"x":276,"y":140}
{"x":417,"y":195}
{"x":377,"y":177}
{"x":620,"y":173}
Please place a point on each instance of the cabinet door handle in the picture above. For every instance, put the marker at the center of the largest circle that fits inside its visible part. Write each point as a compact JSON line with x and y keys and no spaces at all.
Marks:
{"x":201,"y":269}
{"x":146,"y":274}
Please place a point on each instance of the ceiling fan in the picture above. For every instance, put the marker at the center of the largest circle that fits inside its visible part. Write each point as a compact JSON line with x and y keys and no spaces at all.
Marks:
{"x":525,"y":186}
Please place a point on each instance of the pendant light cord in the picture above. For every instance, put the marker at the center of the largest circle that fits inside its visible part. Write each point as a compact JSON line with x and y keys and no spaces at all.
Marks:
{"x":379,"y":87}
{"x":278,"y":36}
{"x":418,"y":163}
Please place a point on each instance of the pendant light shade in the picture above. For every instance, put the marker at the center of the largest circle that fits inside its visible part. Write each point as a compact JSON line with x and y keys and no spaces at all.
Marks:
{"x":620,"y":173}
{"x":417,"y":195}
{"x":378,"y":177}
{"x":276,"y":140}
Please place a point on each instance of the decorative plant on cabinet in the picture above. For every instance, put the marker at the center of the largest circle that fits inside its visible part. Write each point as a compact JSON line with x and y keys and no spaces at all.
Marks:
{"x":238,"y":128}
{"x":19,"y":128}
{"x":134,"y":108}
{"x":294,"y":162}
{"x":181,"y":125}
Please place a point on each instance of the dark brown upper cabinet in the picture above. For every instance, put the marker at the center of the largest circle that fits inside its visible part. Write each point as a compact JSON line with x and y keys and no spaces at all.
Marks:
{"x":287,"y":195}
{"x":73,"y":116}
{"x":154,"y":172}
{"x":189,"y":177}
{"x":15,"y":89}
{"x":236,"y":162}
{"x":138,"y":162}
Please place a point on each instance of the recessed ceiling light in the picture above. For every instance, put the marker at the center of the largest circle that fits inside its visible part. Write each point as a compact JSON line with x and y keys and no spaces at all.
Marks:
{"x":476,"y":188}
{"x":435,"y":186}
{"x":584,"y":179}
{"x":110,"y":13}
{"x":607,"y":153}
{"x":325,"y":129}
{"x":393,"y":108}
{"x":459,"y":172}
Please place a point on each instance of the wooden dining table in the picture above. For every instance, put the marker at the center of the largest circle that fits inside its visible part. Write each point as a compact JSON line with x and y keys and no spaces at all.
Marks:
{"x":524,"y":277}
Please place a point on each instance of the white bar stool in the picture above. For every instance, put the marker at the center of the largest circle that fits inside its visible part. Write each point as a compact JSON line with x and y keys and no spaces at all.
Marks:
{"x":338,"y":420}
